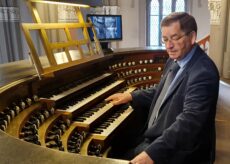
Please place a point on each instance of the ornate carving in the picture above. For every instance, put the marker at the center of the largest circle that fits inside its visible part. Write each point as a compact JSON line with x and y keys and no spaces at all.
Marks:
{"x":215,"y":11}
{"x":9,"y":14}
{"x":66,"y":14}
{"x":107,"y":10}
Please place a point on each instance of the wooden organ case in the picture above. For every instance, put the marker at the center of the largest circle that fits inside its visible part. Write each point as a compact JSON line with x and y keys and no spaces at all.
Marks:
{"x":59,"y":115}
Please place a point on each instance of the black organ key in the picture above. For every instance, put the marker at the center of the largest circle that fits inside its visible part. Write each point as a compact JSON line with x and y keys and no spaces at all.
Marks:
{"x":102,"y":104}
{"x":90,"y":112}
{"x":108,"y":121}
{"x":77,"y":100}
{"x":111,"y":120}
{"x":103,"y":126}
{"x":94,"y":109}
{"x":80,"y":119}
{"x":87,"y":114}
{"x":98,"y":131}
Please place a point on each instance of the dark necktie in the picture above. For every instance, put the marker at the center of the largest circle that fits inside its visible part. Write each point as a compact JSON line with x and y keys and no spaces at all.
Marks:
{"x":172,"y":73}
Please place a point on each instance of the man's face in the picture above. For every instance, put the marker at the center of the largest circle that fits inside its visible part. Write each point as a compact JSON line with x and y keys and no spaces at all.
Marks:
{"x":177,"y":42}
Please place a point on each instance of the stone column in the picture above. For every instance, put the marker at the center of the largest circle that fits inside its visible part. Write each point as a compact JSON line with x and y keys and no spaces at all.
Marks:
{"x":218,"y":16}
{"x":226,"y":63}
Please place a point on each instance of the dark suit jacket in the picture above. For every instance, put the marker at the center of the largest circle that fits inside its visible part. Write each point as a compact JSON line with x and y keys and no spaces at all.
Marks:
{"x":184,"y":131}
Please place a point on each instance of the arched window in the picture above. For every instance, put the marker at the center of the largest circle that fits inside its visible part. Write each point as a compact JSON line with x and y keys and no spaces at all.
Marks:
{"x":156,"y":11}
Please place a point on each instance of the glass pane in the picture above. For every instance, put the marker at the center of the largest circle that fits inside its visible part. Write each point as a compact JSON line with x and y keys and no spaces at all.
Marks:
{"x":154,"y":16}
{"x":154,"y":30}
{"x":180,"y":6}
{"x":154,"y":7}
{"x":167,"y":7}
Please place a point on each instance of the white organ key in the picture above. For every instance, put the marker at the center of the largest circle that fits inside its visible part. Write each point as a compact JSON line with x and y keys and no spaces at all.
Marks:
{"x":89,"y":120}
{"x":93,"y":96}
{"x":78,"y":87}
{"x":115,"y":124}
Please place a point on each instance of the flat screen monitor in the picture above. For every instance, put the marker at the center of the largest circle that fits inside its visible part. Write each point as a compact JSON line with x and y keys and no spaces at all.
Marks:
{"x":107,"y":27}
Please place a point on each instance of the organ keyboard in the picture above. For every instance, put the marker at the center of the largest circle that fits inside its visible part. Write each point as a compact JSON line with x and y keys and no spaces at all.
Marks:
{"x":68,"y":90}
{"x":76,"y":104}
{"x":67,"y":113}
{"x":102,"y":135}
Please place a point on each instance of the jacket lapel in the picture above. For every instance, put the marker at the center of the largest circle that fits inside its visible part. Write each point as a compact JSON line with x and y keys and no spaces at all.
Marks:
{"x":160,"y":86}
{"x":173,"y":88}
{"x":188,"y":67}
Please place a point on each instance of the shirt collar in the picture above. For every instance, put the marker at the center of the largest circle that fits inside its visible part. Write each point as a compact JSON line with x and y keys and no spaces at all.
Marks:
{"x":187,"y":57}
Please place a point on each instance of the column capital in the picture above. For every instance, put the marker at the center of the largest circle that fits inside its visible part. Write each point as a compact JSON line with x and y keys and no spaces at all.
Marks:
{"x":214,"y":7}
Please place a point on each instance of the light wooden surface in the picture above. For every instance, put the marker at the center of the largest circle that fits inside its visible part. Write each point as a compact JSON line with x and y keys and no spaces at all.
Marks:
{"x":13,"y":150}
{"x":63,"y":58}
{"x":223,"y":125}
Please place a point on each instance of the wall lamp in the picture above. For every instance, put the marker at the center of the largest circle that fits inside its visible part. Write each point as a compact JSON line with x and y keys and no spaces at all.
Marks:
{"x":79,"y":3}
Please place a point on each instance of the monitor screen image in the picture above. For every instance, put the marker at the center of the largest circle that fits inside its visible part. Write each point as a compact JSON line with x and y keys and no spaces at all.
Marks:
{"x":107,"y":27}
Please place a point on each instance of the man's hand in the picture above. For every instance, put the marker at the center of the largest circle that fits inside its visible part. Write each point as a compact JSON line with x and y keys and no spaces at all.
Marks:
{"x":142,"y":158}
{"x":119,"y":98}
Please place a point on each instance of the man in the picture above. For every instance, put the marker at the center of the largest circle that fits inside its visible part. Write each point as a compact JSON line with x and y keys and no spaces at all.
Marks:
{"x":181,"y":123}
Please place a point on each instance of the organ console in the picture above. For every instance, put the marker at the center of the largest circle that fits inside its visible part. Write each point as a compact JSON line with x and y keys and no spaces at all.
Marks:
{"x":66,"y":116}
{"x":60,"y":113}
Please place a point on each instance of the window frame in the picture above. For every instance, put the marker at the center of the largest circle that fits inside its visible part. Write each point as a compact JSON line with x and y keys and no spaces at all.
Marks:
{"x":148,"y":9}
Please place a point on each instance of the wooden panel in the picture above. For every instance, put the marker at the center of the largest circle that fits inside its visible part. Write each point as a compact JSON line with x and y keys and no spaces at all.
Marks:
{"x":223,"y":125}
{"x":16,"y":151}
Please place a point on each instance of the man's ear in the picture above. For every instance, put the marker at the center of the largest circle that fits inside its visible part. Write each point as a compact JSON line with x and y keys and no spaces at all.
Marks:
{"x":193,"y":37}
